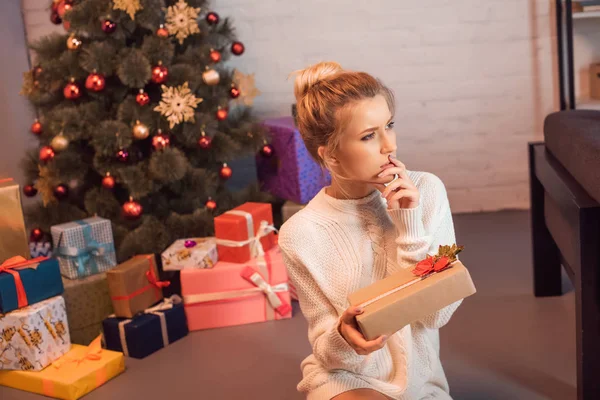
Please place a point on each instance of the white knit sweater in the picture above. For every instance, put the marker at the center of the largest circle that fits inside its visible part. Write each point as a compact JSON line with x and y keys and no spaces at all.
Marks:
{"x":334,"y":247}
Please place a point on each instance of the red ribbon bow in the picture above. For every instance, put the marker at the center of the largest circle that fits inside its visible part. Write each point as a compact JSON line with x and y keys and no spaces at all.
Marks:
{"x":154,"y":280}
{"x":11,"y":266}
{"x":429,"y":265}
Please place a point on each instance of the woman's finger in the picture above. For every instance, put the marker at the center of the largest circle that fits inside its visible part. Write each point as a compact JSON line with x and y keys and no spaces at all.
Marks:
{"x":399,"y":195}
{"x":400,"y":165}
{"x":399,"y":183}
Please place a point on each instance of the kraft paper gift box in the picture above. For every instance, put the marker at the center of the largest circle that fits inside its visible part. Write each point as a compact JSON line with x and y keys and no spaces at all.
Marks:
{"x":88,"y":304}
{"x":72,"y":376}
{"x":14,"y":240}
{"x":403,"y":298}
{"x":35,"y":336}
{"x":84,"y":247}
{"x":244,"y":232}
{"x":26,"y":282}
{"x":134,"y":285}
{"x":147,"y":332}
{"x":290,"y":173}
{"x":235,"y":294}
{"x":190,"y":253}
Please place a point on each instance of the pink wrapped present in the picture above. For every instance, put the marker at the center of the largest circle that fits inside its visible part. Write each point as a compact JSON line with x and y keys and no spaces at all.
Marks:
{"x":234,"y":294}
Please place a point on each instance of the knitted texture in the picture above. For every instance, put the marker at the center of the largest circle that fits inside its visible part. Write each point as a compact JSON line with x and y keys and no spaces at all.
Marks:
{"x":334,"y":247}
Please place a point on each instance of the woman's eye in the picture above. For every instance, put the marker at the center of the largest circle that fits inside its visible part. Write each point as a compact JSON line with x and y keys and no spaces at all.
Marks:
{"x":368,"y":137}
{"x":390,"y":125}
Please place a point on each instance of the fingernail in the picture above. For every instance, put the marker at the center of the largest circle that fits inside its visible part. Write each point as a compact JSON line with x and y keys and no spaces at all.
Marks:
{"x":379,"y":175}
{"x":359,"y":310}
{"x":384,"y":338}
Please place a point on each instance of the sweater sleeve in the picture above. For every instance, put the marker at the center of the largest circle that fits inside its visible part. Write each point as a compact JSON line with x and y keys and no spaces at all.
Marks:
{"x":414,"y":242}
{"x":329,"y":348}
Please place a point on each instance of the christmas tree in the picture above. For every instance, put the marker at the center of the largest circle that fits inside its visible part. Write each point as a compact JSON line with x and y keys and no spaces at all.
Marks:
{"x":138,"y":116}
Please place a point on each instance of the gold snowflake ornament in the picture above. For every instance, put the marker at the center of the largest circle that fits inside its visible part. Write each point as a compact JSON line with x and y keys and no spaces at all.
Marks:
{"x":177,"y":104}
{"x":28,"y":83}
{"x":181,"y":20}
{"x":246,"y":86}
{"x":129,"y":6}
{"x":45,"y":185}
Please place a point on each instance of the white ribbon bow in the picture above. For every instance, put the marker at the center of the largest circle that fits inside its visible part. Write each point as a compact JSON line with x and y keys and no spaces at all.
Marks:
{"x":256,"y":248}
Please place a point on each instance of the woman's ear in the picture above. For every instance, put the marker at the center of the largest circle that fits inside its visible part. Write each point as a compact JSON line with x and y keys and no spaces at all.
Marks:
{"x":325,"y":156}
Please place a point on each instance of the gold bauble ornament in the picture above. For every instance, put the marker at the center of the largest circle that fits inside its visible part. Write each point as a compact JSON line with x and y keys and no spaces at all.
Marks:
{"x":73,"y":43}
{"x":59,"y":143}
{"x":211,"y":77}
{"x":140,"y":131}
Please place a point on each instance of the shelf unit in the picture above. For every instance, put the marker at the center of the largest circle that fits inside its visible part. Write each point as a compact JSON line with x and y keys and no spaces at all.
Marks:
{"x":566,"y":71}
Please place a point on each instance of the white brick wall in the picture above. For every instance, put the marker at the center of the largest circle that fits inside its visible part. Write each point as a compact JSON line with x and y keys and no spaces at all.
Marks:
{"x":473,"y":78}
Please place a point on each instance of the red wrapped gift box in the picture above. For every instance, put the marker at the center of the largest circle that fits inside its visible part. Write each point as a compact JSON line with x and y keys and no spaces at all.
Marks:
{"x":234,"y":294}
{"x":242,"y":232}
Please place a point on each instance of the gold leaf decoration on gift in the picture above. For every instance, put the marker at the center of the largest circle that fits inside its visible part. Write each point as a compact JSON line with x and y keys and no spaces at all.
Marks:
{"x":246,"y":86}
{"x":177,"y":104}
{"x":28,"y":83}
{"x":45,"y":185}
{"x":449,"y":251}
{"x":129,"y":6}
{"x":181,"y":20}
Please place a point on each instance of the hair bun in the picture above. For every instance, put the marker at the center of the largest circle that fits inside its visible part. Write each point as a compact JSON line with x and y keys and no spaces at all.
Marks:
{"x":306,"y":78}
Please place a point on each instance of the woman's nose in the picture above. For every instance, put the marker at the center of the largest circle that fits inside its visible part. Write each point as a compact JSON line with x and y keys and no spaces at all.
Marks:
{"x":388,"y":146}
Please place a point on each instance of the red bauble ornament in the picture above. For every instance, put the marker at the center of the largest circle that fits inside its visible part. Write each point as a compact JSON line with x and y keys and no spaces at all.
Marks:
{"x":72,"y":91}
{"x":108,"y":182}
{"x":142,"y":98}
{"x":267,"y":150}
{"x":66,"y":25}
{"x":222,"y":114}
{"x":36,"y":235}
{"x":162,"y":31}
{"x":160,"y":73}
{"x":63,"y":7}
{"x":160,"y":141}
{"x":237,"y":48}
{"x":95,"y":82}
{"x":54,"y":5}
{"x":204,"y":142}
{"x":46,"y":154}
{"x":211,"y":204}
{"x":55,"y":18}
{"x":132,"y":209}
{"x":225,"y":172}
{"x":215,"y":56}
{"x":109,"y":26}
{"x":36,"y":128}
{"x":234,"y":92}
{"x":61,"y":191}
{"x":37,"y":71}
{"x":123,"y":155}
{"x":212,"y":18}
{"x":29,"y":190}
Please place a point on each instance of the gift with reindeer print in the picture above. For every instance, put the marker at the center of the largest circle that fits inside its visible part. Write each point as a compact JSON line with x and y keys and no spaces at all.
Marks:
{"x":35,"y":336}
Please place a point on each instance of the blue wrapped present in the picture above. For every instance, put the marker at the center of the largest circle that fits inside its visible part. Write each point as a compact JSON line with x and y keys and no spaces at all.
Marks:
{"x":85,"y":247}
{"x":148,"y":331}
{"x":26,"y":282}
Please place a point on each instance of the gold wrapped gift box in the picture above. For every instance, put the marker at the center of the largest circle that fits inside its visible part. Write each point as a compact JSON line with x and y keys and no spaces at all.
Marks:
{"x":72,"y":376}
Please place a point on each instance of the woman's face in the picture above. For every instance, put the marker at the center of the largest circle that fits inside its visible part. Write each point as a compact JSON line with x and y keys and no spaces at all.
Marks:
{"x":367,"y":142}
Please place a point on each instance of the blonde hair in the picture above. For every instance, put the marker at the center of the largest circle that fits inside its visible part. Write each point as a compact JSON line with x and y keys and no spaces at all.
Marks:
{"x":324,"y":94}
